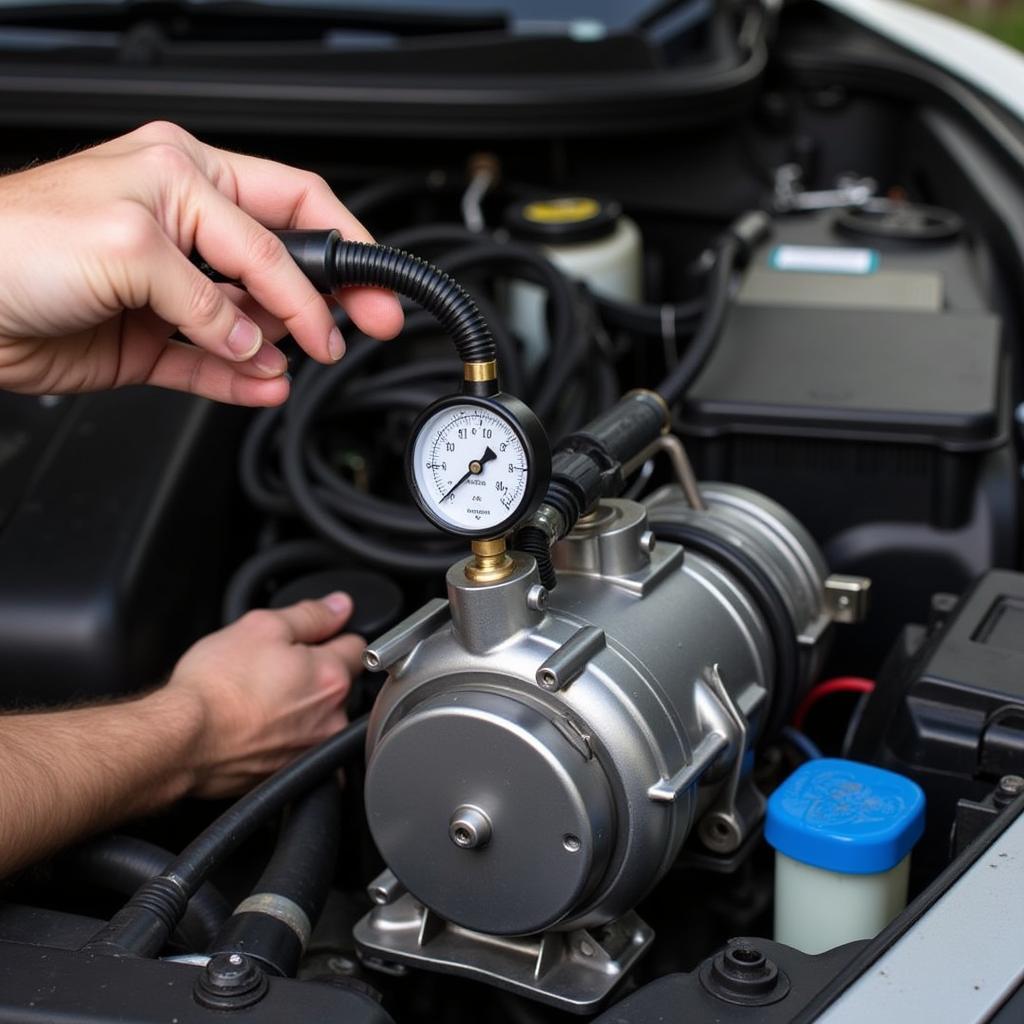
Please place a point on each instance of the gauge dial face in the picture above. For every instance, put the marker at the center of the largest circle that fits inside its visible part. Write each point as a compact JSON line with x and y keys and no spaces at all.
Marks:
{"x":471,"y":469}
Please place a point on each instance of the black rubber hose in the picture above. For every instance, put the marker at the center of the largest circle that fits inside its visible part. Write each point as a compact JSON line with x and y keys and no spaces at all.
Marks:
{"x":310,"y":503}
{"x":123,"y":863}
{"x":252,"y":465}
{"x":736,"y":244}
{"x":382,"y":266}
{"x":650,"y":319}
{"x":683,"y":374}
{"x":773,"y":610}
{"x":142,"y":926}
{"x":273,"y":925}
{"x":392,"y":188}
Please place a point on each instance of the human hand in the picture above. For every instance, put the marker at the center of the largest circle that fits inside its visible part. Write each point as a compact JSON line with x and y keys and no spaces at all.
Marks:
{"x":267,"y":687}
{"x":94,"y":274}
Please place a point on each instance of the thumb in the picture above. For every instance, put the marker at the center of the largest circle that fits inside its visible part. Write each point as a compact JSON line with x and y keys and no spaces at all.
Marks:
{"x":309,"y":622}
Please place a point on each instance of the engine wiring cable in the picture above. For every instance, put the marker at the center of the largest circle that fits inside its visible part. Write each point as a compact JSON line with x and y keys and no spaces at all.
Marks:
{"x":841,"y":684}
{"x":802,"y":742}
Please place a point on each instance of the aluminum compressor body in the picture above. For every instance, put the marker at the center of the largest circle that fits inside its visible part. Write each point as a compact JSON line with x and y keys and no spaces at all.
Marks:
{"x":536,"y":761}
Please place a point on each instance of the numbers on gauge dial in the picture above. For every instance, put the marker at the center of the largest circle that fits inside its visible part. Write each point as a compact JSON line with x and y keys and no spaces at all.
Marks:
{"x":471,"y":468}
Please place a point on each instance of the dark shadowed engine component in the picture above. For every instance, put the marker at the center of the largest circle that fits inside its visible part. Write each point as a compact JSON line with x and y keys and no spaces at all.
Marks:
{"x":535,"y":763}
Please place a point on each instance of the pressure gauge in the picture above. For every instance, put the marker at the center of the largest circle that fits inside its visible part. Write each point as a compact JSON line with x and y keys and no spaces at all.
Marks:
{"x":477,"y":465}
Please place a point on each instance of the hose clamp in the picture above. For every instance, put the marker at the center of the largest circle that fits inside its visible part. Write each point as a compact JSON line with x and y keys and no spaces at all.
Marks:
{"x":287,"y":911}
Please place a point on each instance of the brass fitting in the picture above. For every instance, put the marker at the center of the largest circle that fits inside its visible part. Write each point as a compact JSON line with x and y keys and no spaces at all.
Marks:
{"x":476,"y":373}
{"x":491,"y":562}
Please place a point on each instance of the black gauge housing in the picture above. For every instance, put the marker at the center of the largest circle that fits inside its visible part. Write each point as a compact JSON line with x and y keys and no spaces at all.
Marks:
{"x":532,"y":435}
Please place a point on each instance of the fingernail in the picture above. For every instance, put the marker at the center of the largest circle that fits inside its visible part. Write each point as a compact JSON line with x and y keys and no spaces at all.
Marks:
{"x":335,"y":344}
{"x":245,"y":338}
{"x":270,"y":361}
{"x":338,"y":602}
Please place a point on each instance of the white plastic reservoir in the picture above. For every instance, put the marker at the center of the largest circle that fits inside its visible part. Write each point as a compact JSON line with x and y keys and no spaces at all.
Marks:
{"x":842,"y":833}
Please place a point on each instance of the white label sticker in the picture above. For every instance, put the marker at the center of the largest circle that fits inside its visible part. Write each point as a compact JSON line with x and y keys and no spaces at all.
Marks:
{"x":825,"y":259}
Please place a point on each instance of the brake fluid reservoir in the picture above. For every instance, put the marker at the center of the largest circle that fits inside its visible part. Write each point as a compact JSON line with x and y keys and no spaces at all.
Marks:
{"x":590,"y":240}
{"x":842,"y":833}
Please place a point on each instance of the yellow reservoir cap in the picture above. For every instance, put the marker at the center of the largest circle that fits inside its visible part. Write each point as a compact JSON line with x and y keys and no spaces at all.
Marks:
{"x":570,"y":210}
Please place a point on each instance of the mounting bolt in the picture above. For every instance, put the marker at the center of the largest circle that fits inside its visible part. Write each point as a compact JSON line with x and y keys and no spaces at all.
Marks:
{"x":1010,"y":787}
{"x":385,"y":888}
{"x":230,"y":981}
{"x":648,"y":541}
{"x":537,"y":598}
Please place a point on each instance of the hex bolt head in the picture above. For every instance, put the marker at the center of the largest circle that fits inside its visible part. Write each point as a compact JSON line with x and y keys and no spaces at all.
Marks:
{"x":230,"y":981}
{"x":537,"y":598}
{"x":1010,"y":787}
{"x":469,"y":828}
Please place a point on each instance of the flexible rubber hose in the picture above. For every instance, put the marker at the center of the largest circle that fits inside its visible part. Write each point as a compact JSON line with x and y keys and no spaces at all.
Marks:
{"x":273,"y":925}
{"x":310,"y":503}
{"x":142,"y":926}
{"x":123,"y":863}
{"x":683,"y":374}
{"x":382,"y":266}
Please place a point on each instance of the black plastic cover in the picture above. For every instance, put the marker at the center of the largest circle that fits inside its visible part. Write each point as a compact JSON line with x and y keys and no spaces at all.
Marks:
{"x":114,"y":538}
{"x":949,"y":706}
{"x":928,"y":378}
{"x":40,"y":984}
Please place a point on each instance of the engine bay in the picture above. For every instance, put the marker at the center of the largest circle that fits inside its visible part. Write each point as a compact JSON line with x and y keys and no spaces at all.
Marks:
{"x":692,"y":567}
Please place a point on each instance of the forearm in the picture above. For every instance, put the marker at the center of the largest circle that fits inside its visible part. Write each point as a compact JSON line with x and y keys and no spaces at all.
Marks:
{"x":64,"y":774}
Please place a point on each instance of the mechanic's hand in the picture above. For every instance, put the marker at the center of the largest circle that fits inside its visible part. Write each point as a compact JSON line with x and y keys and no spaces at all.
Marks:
{"x":268,"y":686}
{"x":94,"y":275}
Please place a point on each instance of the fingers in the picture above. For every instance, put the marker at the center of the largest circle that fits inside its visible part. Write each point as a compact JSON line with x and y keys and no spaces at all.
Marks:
{"x":272,"y":328}
{"x":310,"y":622}
{"x":183,"y":367}
{"x":284,"y":197}
{"x":241,"y":248}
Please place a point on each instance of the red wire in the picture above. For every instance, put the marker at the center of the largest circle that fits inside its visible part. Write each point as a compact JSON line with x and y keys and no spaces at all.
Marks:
{"x":841,"y":684}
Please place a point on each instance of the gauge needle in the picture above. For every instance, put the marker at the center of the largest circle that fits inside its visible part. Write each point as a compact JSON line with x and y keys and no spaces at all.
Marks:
{"x":475,"y":469}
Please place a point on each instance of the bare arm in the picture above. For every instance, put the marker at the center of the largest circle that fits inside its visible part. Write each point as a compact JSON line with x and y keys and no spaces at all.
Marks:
{"x":239,"y":704}
{"x":69,"y":772}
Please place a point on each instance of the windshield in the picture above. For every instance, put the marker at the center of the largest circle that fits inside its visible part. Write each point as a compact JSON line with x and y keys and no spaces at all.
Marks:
{"x":577,"y":17}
